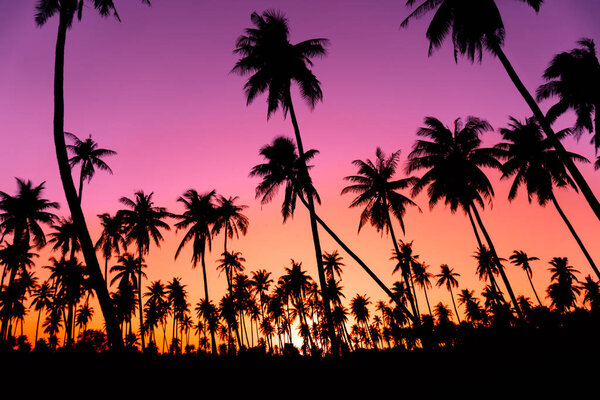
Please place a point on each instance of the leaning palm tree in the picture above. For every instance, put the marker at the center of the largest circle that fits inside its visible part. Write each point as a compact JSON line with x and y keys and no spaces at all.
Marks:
{"x":447,"y":277}
{"x":475,"y":26}
{"x":574,"y":77}
{"x":142,"y":222}
{"x":536,"y":166}
{"x":198,"y":217}
{"x":453,"y":162}
{"x":66,"y":10}
{"x":273,"y":64}
{"x":89,"y":156}
{"x":282,"y":169}
{"x":378,"y":193}
{"x":521,"y":259}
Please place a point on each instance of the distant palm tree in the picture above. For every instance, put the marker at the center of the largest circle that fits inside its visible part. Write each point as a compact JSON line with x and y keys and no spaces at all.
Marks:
{"x":111,"y":239}
{"x":332,"y":262}
{"x":521,"y":259}
{"x":531,"y":160}
{"x":453,"y":162}
{"x":64,"y":237}
{"x":475,"y":26}
{"x":487,"y":269}
{"x":142,"y":222}
{"x":89,"y":156}
{"x":423,"y":279}
{"x":42,"y":300}
{"x":563,"y":290}
{"x":156,"y":308}
{"x":360,"y":311}
{"x":592,"y":293}
{"x":574,"y":77}
{"x":273,"y":62}
{"x":448,"y":277}
{"x":67,"y":9}
{"x":230,"y":219}
{"x":406,"y":261}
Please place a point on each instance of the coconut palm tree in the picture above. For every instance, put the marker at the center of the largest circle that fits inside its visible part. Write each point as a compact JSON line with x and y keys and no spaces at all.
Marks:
{"x":591,"y":289}
{"x":112,"y":238}
{"x":273,"y":63}
{"x":423,"y":279}
{"x":198,"y":217}
{"x":64,"y":237}
{"x":447,"y":277}
{"x":230,"y":219}
{"x":360,"y":310}
{"x":332,"y":262}
{"x":453,"y":162}
{"x":563,"y":290}
{"x":574,"y":77}
{"x":87,"y":154}
{"x":521,"y":259}
{"x":378,"y":194}
{"x":42,"y":300}
{"x":142,"y":222}
{"x":66,"y":10}
{"x":406,"y":261}
{"x":534,"y":164}
{"x":475,"y":26}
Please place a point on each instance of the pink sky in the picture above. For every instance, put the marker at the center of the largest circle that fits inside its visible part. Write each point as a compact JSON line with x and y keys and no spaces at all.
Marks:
{"x":157,"y":89}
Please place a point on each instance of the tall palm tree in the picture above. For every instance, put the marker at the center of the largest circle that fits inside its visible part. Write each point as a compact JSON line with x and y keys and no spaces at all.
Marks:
{"x":89,"y":156}
{"x":475,"y":26}
{"x":378,"y":194}
{"x":423,"y":279}
{"x":66,"y":10}
{"x":156,"y":307}
{"x":534,"y":164}
{"x":23,"y":216}
{"x":332,"y":262}
{"x":274,"y":63}
{"x":143,"y":222}
{"x":111,"y":239}
{"x":453,"y":160}
{"x":574,"y":77}
{"x":42,"y":299}
{"x":563,"y":290}
{"x":230,"y":219}
{"x":447,"y":277}
{"x":521,"y":259}
{"x":64,"y":237}
{"x":406,"y":261}
{"x":198,"y":217}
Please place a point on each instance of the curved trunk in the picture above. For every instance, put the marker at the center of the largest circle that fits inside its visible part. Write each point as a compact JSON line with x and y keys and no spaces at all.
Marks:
{"x":97,"y":281}
{"x":315,"y":234}
{"x":497,"y":260}
{"x":537,"y":112}
{"x":533,"y":288}
{"x":454,"y":304}
{"x":577,"y":239}
{"x":363,"y":265}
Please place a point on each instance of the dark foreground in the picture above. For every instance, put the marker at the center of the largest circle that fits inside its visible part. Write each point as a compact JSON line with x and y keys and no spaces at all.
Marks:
{"x":503,"y":365}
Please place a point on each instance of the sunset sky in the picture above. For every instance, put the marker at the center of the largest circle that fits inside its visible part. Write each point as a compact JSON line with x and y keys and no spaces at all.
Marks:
{"x":157,"y":89}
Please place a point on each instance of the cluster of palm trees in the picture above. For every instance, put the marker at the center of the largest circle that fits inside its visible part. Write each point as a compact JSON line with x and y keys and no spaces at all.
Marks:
{"x":451,"y":161}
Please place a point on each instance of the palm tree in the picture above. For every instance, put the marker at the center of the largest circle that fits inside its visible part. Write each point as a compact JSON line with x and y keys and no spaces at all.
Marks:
{"x":156,"y":307}
{"x":592,"y":293}
{"x":453,"y":160}
{"x":379,"y":195}
{"x":530,"y":159}
{"x":23,"y":216}
{"x":332,"y":262}
{"x":360,"y":311}
{"x":475,"y":26}
{"x":143,"y":222}
{"x":42,"y":299}
{"x":406,"y":261}
{"x":563,"y":290}
{"x":230,"y":219}
{"x":447,"y":277}
{"x":521,"y":259}
{"x":574,"y":77}
{"x":423,"y":279}
{"x":111,"y":239}
{"x":487,"y":269}
{"x":66,"y":10}
{"x":198,"y":217}
{"x":87,"y":153}
{"x":64,"y":237}
{"x":273,"y":62}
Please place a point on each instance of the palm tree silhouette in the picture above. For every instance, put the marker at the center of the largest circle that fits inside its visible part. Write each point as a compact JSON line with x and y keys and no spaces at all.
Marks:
{"x":42,"y":300}
{"x":487,"y":269}
{"x":198,"y":217}
{"x":453,"y":162}
{"x":273,"y":62}
{"x":64,"y":237}
{"x":521,"y":259}
{"x":563,"y":290}
{"x":156,"y":309}
{"x":423,"y":279}
{"x":574,"y":77}
{"x":531,"y":160}
{"x":143,"y":222}
{"x":475,"y":26}
{"x":87,"y":153}
{"x":111,"y":239}
{"x":230,"y":219}
{"x":46,"y":9}
{"x":406,"y":261}
{"x":378,"y":193}
{"x":591,"y":289}
{"x":447,"y":277}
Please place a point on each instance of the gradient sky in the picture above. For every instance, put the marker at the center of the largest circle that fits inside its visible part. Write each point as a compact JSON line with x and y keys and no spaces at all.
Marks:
{"x":157,"y":89}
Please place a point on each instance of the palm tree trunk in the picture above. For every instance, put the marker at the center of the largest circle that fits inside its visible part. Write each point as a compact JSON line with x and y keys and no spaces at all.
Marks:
{"x":533,"y":288}
{"x":537,"y":112}
{"x":141,"y":307}
{"x":427,"y":300}
{"x":454,"y":304}
{"x":87,"y":247}
{"x":497,"y":260}
{"x":577,"y":239}
{"x":363,"y":265}
{"x":315,"y":233}
{"x":37,"y":326}
{"x":212,"y":332}
{"x":80,"y":184}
